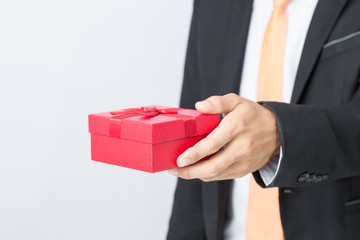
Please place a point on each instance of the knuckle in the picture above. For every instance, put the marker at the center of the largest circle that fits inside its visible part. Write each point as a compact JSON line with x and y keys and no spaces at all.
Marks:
{"x":214,"y":170}
{"x":235,"y":128}
{"x":248,"y":149}
{"x":239,"y":126}
{"x":212,"y":145}
{"x":234,"y":157}
{"x":241,"y":168}
{"x":215,"y":100}
{"x":232,"y":95}
{"x":195,"y":153}
{"x":240,"y":174}
{"x":206,"y":179}
{"x":185,"y":174}
{"x":245,"y":166}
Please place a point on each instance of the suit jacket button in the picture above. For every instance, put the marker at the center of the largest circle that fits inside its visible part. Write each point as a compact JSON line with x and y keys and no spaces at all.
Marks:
{"x":312,"y":178}
{"x":288,"y":191}
{"x":319,"y":178}
{"x":303,"y":177}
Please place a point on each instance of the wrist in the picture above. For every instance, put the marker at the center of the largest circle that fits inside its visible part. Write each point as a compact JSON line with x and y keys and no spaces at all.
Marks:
{"x":274,"y":131}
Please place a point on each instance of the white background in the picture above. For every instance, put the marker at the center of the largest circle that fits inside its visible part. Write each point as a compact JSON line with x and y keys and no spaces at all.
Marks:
{"x":60,"y":61}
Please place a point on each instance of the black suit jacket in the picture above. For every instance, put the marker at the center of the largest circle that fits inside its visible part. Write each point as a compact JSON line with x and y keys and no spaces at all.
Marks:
{"x":319,"y":177}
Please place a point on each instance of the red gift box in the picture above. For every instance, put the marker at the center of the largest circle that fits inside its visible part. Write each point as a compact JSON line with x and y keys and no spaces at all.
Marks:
{"x":148,"y":138}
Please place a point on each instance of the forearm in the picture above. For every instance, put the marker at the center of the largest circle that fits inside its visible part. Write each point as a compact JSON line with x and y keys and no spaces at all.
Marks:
{"x":319,"y":143}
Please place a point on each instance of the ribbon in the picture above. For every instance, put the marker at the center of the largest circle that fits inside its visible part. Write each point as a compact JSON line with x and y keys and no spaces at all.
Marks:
{"x":148,"y":112}
{"x":145,"y":111}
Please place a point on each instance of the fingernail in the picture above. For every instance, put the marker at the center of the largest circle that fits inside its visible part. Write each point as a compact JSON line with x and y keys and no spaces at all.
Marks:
{"x":204,"y":104}
{"x":173,"y":172}
{"x":184,"y":162}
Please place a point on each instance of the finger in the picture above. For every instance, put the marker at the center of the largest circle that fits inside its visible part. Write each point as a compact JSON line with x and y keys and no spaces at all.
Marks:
{"x":219,"y":104}
{"x":209,"y":168}
{"x":235,"y":170}
{"x":232,"y":161}
{"x":242,"y":165}
{"x":227,"y":176}
{"x":220,"y":136}
{"x":233,"y":166}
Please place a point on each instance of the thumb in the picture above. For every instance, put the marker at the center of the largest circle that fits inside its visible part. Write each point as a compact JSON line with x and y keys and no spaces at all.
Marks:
{"x":219,"y":104}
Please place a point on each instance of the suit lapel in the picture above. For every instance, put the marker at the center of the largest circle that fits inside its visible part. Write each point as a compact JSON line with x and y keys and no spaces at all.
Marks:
{"x":325,"y":16}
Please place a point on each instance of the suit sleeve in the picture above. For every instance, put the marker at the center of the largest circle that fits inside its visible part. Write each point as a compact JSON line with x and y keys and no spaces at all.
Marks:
{"x":187,"y":220}
{"x":319,"y":143}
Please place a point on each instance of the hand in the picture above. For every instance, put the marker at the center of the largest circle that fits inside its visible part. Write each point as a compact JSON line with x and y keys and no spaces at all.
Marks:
{"x":248,"y":136}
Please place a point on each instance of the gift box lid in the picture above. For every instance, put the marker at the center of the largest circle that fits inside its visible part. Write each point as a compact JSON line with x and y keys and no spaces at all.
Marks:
{"x":152,"y":124}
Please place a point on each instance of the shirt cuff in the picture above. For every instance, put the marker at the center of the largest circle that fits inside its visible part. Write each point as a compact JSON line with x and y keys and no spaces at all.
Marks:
{"x":270,"y":170}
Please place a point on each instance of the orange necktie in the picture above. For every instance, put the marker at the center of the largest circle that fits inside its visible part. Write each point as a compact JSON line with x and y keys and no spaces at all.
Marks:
{"x":263,"y":217}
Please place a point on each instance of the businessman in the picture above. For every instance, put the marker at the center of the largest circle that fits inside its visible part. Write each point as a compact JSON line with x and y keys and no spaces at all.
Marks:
{"x":286,"y":77}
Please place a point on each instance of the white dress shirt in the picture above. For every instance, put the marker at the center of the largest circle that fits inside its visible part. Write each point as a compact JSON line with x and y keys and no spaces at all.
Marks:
{"x":299,"y":13}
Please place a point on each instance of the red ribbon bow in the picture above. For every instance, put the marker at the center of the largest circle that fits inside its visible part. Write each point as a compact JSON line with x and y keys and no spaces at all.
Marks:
{"x":143,"y":111}
{"x":115,"y":121}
